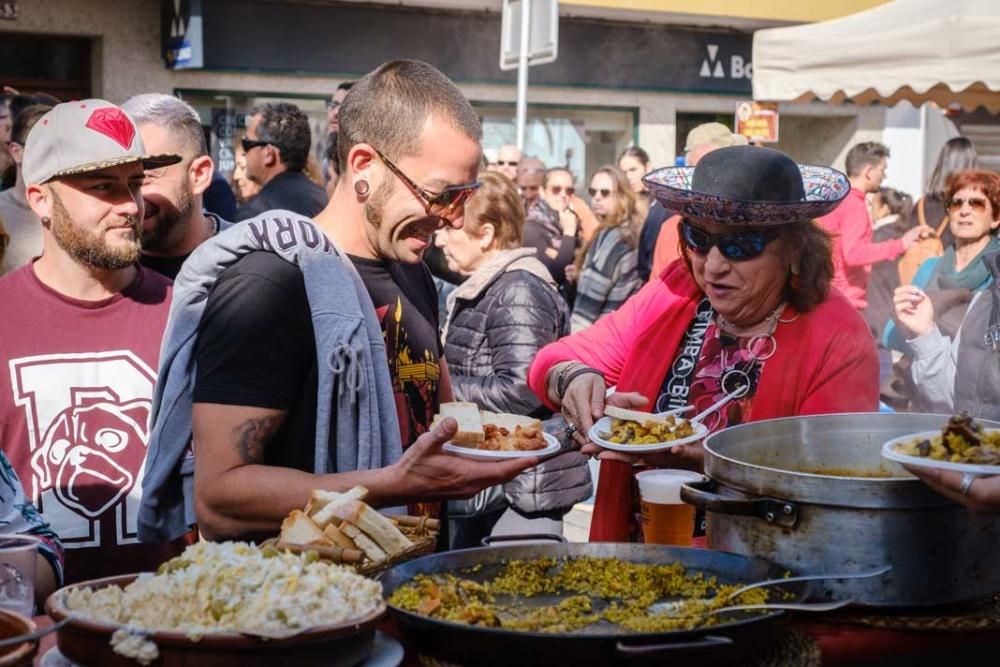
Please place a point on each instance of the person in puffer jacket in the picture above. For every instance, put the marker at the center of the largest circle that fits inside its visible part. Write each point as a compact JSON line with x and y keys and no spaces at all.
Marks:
{"x":498,"y":320}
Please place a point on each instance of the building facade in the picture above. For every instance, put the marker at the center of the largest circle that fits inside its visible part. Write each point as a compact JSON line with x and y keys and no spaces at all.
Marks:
{"x":629,"y":71}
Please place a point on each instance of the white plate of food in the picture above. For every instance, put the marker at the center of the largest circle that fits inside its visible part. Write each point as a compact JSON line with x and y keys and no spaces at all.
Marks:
{"x":962,"y":445}
{"x":636,"y":432}
{"x":489,"y":436}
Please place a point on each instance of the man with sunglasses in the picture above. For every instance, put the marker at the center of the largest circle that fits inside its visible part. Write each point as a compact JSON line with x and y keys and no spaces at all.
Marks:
{"x":508,"y":157}
{"x":21,"y":223}
{"x":262,"y":357}
{"x":398,"y":188}
{"x":277,"y":144}
{"x":850,"y":224}
{"x":747,"y":315}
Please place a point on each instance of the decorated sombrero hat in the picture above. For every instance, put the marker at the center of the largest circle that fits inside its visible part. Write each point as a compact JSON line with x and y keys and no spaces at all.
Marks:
{"x":748,"y":185}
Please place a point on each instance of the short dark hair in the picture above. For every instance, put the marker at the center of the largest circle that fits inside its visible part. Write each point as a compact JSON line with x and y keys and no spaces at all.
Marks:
{"x":389,"y":106}
{"x":25,"y":120}
{"x":286,"y":127}
{"x":865,"y":154}
{"x":553,"y":170}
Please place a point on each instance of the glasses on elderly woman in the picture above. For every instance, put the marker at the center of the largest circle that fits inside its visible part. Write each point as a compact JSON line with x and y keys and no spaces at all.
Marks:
{"x":975,"y":203}
{"x":735,"y":246}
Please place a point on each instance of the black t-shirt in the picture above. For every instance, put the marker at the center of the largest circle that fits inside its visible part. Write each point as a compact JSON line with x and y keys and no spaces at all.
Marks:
{"x":256,"y":347}
{"x":405,"y":301}
{"x":165,"y":266}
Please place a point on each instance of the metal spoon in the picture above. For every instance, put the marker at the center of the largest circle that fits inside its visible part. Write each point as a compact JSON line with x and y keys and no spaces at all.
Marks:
{"x":660,"y":607}
{"x":678,"y":608}
{"x":37,"y":634}
{"x":732,"y":396}
{"x":810,"y":577}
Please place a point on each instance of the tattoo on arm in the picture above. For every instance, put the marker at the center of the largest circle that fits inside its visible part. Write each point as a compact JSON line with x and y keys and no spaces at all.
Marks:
{"x":252,"y":435}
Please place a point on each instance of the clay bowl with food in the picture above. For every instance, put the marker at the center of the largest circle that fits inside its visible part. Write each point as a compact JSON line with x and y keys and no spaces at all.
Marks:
{"x":89,"y":642}
{"x":15,"y":625}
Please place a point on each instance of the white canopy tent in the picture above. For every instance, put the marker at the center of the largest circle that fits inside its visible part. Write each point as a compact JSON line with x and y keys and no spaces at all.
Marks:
{"x":943,"y":51}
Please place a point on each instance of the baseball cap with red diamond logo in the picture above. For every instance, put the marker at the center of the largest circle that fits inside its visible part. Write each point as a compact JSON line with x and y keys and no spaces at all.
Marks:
{"x":84,"y":136}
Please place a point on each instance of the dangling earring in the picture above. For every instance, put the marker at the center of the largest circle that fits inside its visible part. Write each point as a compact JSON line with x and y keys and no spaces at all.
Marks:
{"x":46,"y":222}
{"x":361,"y":188}
{"x":795,"y":282}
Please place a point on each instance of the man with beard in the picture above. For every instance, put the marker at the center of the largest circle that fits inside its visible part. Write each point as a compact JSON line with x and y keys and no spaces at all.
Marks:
{"x":267,"y":421}
{"x":175,"y":222}
{"x":80,"y":339}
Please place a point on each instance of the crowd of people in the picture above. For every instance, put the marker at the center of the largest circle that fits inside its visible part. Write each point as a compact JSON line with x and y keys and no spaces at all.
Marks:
{"x":183,"y":356}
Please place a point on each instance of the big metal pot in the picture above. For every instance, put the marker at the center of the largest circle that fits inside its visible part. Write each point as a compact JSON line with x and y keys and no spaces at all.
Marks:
{"x":814,"y":494}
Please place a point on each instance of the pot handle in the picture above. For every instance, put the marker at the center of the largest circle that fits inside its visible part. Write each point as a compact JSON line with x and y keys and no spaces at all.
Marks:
{"x":701,"y":494}
{"x":704,"y":643}
{"x":489,"y":540}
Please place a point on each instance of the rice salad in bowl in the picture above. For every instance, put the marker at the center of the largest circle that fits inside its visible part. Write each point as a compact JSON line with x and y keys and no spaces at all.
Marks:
{"x":232,"y":587}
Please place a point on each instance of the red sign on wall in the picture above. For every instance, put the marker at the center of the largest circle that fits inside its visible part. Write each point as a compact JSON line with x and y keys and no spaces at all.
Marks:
{"x":757,"y":121}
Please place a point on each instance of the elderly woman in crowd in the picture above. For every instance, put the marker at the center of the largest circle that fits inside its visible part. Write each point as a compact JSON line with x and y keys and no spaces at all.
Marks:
{"x":746,"y":312}
{"x":606,"y":266}
{"x":972,"y":199}
{"x":498,"y":320}
{"x":959,"y":373}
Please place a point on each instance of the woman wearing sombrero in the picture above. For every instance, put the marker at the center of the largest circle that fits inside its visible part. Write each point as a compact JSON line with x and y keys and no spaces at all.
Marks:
{"x":746,"y":312}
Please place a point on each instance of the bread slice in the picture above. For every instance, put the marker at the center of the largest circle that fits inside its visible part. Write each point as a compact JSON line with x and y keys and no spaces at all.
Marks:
{"x":374,"y":525}
{"x":510,"y":422}
{"x":633,"y":415}
{"x":319,"y":498}
{"x":336,"y":536}
{"x":470,"y":423}
{"x":331,"y":500}
{"x":298,"y":528}
{"x":365,"y":543}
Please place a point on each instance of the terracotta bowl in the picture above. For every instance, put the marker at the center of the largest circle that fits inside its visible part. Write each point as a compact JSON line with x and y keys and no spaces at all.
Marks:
{"x":89,"y":642}
{"x":12,"y":625}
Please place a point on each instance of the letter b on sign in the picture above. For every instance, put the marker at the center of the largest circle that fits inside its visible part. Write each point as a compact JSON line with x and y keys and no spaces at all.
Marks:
{"x":739,"y":68}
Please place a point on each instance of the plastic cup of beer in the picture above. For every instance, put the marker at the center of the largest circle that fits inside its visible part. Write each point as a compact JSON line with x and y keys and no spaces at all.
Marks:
{"x":18,"y":556}
{"x":666,"y":519}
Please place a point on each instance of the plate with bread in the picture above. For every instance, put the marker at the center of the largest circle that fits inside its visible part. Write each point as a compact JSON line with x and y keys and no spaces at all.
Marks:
{"x":631,"y":431}
{"x":488,"y":436}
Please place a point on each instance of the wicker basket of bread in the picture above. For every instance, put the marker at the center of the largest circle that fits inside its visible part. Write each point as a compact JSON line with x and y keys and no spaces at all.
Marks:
{"x":342,"y":528}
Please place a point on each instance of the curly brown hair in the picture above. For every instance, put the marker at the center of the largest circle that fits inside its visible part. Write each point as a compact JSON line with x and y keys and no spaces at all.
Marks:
{"x":808,"y":250}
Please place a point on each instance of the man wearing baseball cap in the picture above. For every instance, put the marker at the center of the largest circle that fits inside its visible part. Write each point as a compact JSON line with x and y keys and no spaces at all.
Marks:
{"x":80,"y":340}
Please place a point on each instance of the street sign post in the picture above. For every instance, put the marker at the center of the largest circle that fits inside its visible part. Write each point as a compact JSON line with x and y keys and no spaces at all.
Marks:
{"x":529,"y":36}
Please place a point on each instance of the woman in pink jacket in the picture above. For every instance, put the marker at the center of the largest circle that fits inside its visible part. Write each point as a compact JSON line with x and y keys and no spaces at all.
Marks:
{"x":748,"y":310}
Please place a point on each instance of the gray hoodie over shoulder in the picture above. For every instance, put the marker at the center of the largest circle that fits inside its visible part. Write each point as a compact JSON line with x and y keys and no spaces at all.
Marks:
{"x":353,"y":373}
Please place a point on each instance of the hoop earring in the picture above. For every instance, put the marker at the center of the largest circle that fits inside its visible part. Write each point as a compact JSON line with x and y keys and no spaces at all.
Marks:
{"x":361,"y":188}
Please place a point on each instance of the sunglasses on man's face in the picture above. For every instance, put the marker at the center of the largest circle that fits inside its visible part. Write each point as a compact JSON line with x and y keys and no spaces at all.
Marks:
{"x":250,"y":144}
{"x":449,"y":204}
{"x":975,"y":203}
{"x":558,"y":190}
{"x":734,"y":246}
{"x":506,"y":163}
{"x":604,"y":192}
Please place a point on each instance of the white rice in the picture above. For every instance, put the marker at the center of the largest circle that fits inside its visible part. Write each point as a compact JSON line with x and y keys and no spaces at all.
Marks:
{"x":232,"y":587}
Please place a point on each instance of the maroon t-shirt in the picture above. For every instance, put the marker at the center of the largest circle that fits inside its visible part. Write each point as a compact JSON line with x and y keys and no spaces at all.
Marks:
{"x":76,"y":388}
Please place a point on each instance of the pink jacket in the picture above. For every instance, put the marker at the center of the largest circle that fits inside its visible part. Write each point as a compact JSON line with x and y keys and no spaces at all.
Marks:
{"x":825,"y":362}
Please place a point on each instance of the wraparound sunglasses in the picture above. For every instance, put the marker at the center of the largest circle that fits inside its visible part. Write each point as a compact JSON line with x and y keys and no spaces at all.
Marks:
{"x":735,"y":246}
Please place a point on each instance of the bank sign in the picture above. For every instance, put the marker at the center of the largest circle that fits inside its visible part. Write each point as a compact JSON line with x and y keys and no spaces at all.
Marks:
{"x":338,"y":39}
